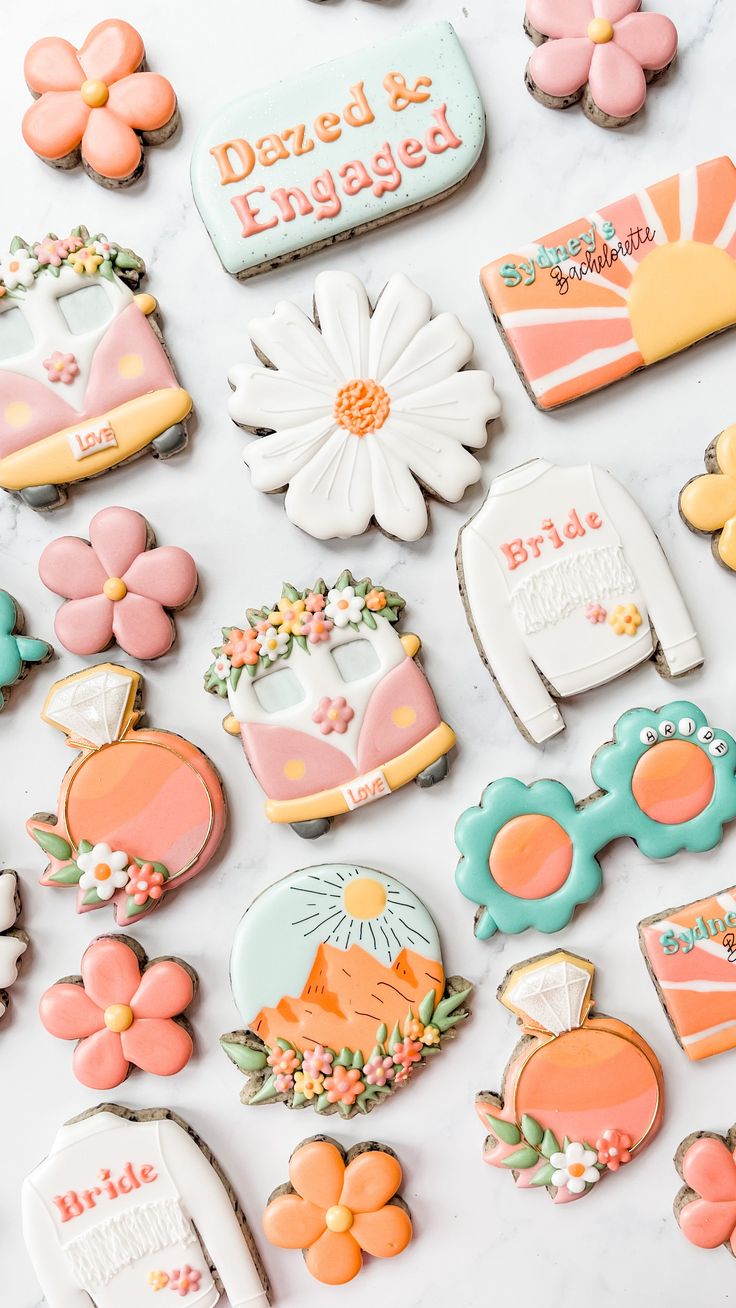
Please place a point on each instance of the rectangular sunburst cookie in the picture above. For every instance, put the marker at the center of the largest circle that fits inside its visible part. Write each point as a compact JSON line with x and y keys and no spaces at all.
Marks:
{"x":691,"y":955}
{"x":620,"y":287}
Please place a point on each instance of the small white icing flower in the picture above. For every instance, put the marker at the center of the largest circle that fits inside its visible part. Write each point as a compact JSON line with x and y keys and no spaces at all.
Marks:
{"x":104,"y":248}
{"x":344,"y":606}
{"x":575,"y":1168}
{"x":103,"y":870}
{"x":222,"y":667}
{"x":273,"y":643}
{"x":18,"y":269}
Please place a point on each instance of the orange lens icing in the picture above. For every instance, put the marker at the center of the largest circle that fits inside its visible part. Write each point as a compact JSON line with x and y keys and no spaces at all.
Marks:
{"x":673,"y":782}
{"x":531,"y":856}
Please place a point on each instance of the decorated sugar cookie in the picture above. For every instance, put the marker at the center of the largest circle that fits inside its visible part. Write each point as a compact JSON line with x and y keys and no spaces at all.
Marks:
{"x":708,"y":502}
{"x":353,"y":1002}
{"x":362,"y":411}
{"x":123,"y":1011}
{"x":338,"y":1205}
{"x":85,"y":380}
{"x":18,"y":653}
{"x":621,"y":287}
{"x":566,"y":587}
{"x":705,"y":1207}
{"x":601,"y":53}
{"x":127,"y":1204}
{"x":13,"y":941}
{"x":140,"y":811}
{"x":582,"y":1094}
{"x":529,"y":854}
{"x":333,"y":711}
{"x":96,"y":106}
{"x":118,"y":586}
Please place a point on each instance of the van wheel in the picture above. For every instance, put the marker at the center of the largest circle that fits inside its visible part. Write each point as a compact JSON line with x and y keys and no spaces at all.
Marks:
{"x":434,"y":773}
{"x":43,"y":497}
{"x":170,"y":441}
{"x":313,"y":829}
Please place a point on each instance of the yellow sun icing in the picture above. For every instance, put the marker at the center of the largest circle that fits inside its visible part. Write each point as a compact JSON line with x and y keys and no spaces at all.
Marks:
{"x":94,"y":92}
{"x":681,"y":293}
{"x":600,"y":31}
{"x":364,"y":898}
{"x":118,"y":1017}
{"x":362,"y":406}
{"x":115,"y":588}
{"x":339,"y":1218}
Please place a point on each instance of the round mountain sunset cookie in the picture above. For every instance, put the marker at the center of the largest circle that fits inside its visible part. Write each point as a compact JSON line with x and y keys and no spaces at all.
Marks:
{"x":603,"y":52}
{"x":140,"y":811}
{"x":338,"y":1205}
{"x":13,"y":941}
{"x":582,"y":1094}
{"x":96,"y":105}
{"x":118,"y":586}
{"x":362,"y":412}
{"x":708,"y":502}
{"x":18,"y":653}
{"x":705,"y":1207}
{"x":353,"y":999}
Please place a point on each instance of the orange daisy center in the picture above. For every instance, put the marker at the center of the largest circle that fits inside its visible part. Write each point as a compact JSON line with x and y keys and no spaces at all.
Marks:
{"x":94,"y":92}
{"x":362,"y":406}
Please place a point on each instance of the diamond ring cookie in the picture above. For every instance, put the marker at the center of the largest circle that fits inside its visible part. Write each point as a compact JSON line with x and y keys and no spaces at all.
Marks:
{"x":123,"y":1011}
{"x":566,"y":587}
{"x":582,"y":1094}
{"x":85,"y":380}
{"x":338,"y":1205}
{"x":621,"y":287}
{"x":13,"y":941}
{"x":118,"y":586}
{"x":705,"y":1207}
{"x":708,"y":502}
{"x":603,"y":52}
{"x":130,"y":1203}
{"x":18,"y":653}
{"x":96,"y":106}
{"x":338,"y":149}
{"x":140,"y":811}
{"x":530,"y":854}
{"x":362,"y":412}
{"x":332,"y":708}
{"x":352,"y":1004}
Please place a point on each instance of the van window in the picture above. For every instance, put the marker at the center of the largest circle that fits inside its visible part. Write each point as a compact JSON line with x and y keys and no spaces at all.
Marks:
{"x":355,"y":660}
{"x":16,"y":336}
{"x":278,"y":691}
{"x":85,"y":310}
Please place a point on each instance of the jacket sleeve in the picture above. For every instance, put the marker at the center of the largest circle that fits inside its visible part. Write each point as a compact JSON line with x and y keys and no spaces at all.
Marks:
{"x":675,"y":632}
{"x":49,"y":1263}
{"x":500,"y":642}
{"x":208,"y":1204}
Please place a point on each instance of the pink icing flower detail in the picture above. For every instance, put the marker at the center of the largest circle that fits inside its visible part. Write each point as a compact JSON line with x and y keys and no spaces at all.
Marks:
{"x":378,"y":1070}
{"x":283,"y":1061}
{"x":116,"y":587}
{"x":317,"y":1061}
{"x":406,"y":1052}
{"x":61,"y":367}
{"x":52,"y":252}
{"x":595,"y":612}
{"x":344,"y":1086}
{"x":402,"y":1073}
{"x":333,"y":715}
{"x":283,"y":1083}
{"x":185,"y":1281}
{"x":600,"y":48}
{"x":315,"y":603}
{"x":613,"y":1149}
{"x":145,"y":883}
{"x":120,"y":1015}
{"x":317,"y":628}
{"x":242,"y":647}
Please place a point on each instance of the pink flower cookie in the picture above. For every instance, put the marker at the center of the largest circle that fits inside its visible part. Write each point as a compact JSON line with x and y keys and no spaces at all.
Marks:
{"x":603,"y":52}
{"x":118,"y":586}
{"x":123,"y":1011}
{"x":96,"y":105}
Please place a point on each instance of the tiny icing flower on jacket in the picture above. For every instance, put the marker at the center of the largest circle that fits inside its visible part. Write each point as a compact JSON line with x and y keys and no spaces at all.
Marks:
{"x":18,"y":269}
{"x":315,"y":603}
{"x":406,"y":1052}
{"x":575,"y":1168}
{"x":376,"y":600}
{"x":52,"y":252}
{"x":85,"y":260}
{"x":344,"y":1086}
{"x":344,"y":606}
{"x":333,"y":715}
{"x":103,"y":870}
{"x":61,"y":367}
{"x":379,"y":1070}
{"x":288,"y":616}
{"x":145,"y":883}
{"x":335,"y":1213}
{"x":185,"y":1281}
{"x":625,"y":619}
{"x":431,"y":1035}
{"x":317,"y":1061}
{"x":273,"y":643}
{"x":307,"y":1085}
{"x":283,"y":1061}
{"x":242,"y":648}
{"x":158,"y":1280}
{"x":121,"y":1013}
{"x":595,"y":612}
{"x":613,"y":1149}
{"x":116,"y":586}
{"x":414,"y":1029}
{"x":317,"y":629}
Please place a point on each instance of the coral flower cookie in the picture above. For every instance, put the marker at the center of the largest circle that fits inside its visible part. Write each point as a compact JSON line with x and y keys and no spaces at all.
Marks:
{"x":336,"y":1206}
{"x":361,"y":412}
{"x":124,"y":1011}
{"x":13,"y":941}
{"x":18,"y":653}
{"x":118,"y":587}
{"x":601,"y":51}
{"x":96,"y":105}
{"x":705,"y":1207}
{"x":708,"y":502}
{"x":582,"y":1095}
{"x":140,"y":811}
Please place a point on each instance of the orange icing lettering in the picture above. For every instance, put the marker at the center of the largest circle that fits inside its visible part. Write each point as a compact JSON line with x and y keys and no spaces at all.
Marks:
{"x":221,"y":156}
{"x":270,"y":149}
{"x":400,"y":95}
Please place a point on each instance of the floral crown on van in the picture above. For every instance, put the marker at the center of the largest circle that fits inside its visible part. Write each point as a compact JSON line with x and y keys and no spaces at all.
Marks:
{"x":85,"y":254}
{"x":305,"y":617}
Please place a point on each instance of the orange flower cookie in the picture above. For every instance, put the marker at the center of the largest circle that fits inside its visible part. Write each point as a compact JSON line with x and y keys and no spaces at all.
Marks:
{"x":708,"y":502}
{"x":336,"y":1206}
{"x":705,"y":1207}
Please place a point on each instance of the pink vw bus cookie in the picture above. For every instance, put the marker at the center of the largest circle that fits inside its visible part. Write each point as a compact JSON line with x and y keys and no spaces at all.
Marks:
{"x":333,"y":711}
{"x":85,"y":380}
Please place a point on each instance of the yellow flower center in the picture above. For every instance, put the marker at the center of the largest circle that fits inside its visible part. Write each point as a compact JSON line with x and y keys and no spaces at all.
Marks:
{"x":94,"y":93}
{"x":118,"y":1017}
{"x":576,"y":1169}
{"x":339,"y":1218}
{"x":115,"y":588}
{"x":102,"y":872}
{"x":362,"y":406}
{"x":600,"y":31}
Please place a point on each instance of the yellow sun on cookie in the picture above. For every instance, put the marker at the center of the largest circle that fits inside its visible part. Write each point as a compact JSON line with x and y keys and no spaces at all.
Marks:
{"x":364,"y":898}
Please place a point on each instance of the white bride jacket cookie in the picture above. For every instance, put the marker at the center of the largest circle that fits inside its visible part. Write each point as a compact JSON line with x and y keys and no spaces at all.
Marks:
{"x":567,"y":587}
{"x":13,"y":943}
{"x":361,"y":412}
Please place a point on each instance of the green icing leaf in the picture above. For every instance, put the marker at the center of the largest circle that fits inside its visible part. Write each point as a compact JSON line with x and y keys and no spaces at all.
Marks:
{"x":92,"y":897}
{"x":508,"y":1132}
{"x":521,"y":1159}
{"x":85,"y":846}
{"x":70,"y":875}
{"x":395,"y":1037}
{"x":302,"y":642}
{"x":358,"y":1059}
{"x":18,"y":243}
{"x":369,"y":619}
{"x":299,"y":1099}
{"x":54,"y":845}
{"x":267,"y":1091}
{"x":344,"y":1058}
{"x":344,"y":1109}
{"x":362,"y":589}
{"x":251,"y":669}
{"x":235,"y":675}
{"x":284,"y":1044}
{"x":134,"y":910}
{"x":322,"y":1103}
{"x":381,"y":1033}
{"x":107,"y":271}
{"x":55,"y":272}
{"x":345,"y":579}
{"x":244,"y":1057}
{"x":449,"y":1005}
{"x":288,"y":592}
{"x":426,"y":1008}
{"x":550,"y":1144}
{"x":531,"y":1130}
{"x":544,"y":1175}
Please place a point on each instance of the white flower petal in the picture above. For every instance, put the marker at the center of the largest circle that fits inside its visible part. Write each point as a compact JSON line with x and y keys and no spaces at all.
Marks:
{"x":459,"y":406}
{"x":332,"y":495}
{"x":558,"y":1160}
{"x":589,"y":1156}
{"x":400,"y":508}
{"x":402,"y":310}
{"x":559,"y":1177}
{"x":266,"y":400}
{"x":87,"y":879}
{"x":591,"y":1175}
{"x":118,"y":860}
{"x":439,"y":462}
{"x":290,"y":340}
{"x":576,"y":1184}
{"x":105,"y":889}
{"x":343,"y":313}
{"x":575,"y":1153}
{"x":437,"y":351}
{"x":273,"y":460}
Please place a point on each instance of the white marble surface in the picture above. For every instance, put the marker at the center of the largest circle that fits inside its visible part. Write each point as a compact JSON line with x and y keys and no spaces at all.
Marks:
{"x":477,"y":1240}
